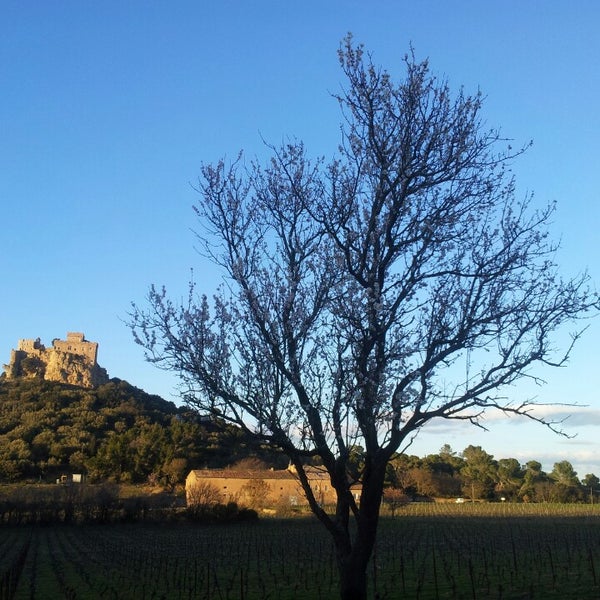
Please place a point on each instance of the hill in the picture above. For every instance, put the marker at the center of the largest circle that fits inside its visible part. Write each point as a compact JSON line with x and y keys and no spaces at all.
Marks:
{"x":113,"y":432}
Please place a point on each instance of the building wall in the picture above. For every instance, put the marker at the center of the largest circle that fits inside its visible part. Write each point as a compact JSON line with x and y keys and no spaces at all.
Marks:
{"x":31,"y":346}
{"x":283,"y":486}
{"x":77,"y":344}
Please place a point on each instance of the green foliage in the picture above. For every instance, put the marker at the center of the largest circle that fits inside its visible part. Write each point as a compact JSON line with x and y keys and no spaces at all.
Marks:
{"x":115,"y":432}
{"x":479,"y":473}
{"x":476,"y":475}
{"x":564,"y":474}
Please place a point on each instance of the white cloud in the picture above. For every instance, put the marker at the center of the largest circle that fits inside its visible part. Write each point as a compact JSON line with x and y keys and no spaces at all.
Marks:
{"x":580,"y":416}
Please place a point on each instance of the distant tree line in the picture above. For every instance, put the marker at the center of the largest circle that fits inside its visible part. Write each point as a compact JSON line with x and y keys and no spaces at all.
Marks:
{"x":476,"y":475}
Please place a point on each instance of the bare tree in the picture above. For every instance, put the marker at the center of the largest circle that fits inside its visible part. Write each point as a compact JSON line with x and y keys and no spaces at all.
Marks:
{"x":255,"y":494}
{"x":203,"y":495}
{"x":400,"y":282}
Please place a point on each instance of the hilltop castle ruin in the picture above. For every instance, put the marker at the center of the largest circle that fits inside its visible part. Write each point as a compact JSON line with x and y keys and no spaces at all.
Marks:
{"x":72,"y":361}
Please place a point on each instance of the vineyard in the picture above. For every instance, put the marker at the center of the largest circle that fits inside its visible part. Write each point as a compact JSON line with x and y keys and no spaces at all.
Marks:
{"x":426,"y":552}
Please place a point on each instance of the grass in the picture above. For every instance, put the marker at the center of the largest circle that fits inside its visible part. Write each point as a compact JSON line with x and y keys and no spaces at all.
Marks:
{"x":427,"y":552}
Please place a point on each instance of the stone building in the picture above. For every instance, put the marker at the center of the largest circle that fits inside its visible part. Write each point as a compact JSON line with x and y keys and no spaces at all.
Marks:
{"x":258,"y":488}
{"x":72,"y":361}
{"x":77,"y":344}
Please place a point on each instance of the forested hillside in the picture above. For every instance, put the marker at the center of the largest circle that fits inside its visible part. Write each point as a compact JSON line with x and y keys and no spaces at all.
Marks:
{"x":115,"y":432}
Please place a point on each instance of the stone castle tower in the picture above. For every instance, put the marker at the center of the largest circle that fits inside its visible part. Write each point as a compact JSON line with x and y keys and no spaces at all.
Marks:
{"x":72,"y":361}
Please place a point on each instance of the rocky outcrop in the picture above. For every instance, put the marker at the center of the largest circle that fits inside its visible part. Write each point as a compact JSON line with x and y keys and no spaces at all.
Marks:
{"x":71,"y":361}
{"x":74,"y":369}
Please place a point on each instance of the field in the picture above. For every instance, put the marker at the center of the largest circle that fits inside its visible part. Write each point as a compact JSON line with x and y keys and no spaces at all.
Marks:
{"x":426,"y":551}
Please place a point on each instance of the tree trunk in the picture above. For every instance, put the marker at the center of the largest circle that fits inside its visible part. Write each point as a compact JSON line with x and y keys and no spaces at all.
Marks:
{"x":353,"y":565}
{"x":353,"y":580}
{"x":353,"y":558}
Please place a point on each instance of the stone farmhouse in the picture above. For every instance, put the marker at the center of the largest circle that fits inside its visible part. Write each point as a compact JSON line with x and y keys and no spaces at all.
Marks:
{"x":72,"y":361}
{"x":258,"y":488}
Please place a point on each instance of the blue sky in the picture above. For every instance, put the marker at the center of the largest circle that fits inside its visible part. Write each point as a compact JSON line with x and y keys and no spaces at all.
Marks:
{"x":109,"y":108}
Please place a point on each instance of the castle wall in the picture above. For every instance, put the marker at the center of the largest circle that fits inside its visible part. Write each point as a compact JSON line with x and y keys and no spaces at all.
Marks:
{"x":31,"y":346}
{"x":70,"y":361}
{"x":77,"y":344}
{"x":13,"y":367}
